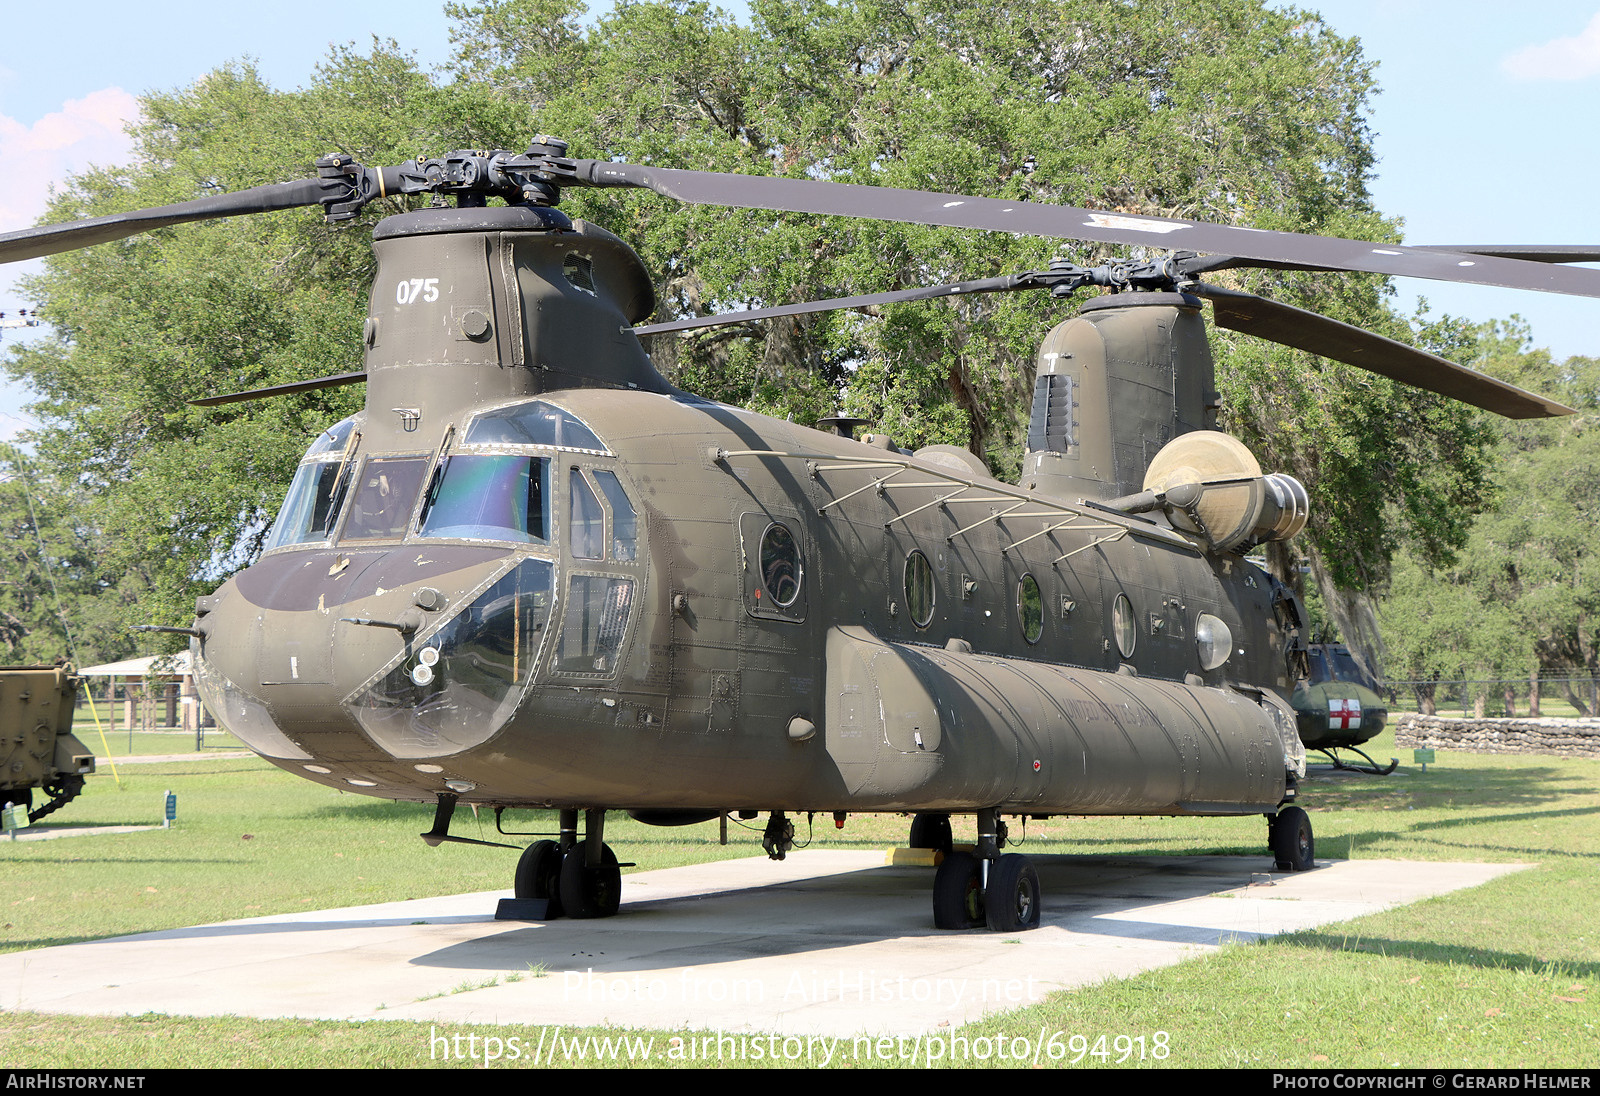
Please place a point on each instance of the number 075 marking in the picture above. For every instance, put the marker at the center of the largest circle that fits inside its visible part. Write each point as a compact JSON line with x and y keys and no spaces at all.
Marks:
{"x":410,"y":291}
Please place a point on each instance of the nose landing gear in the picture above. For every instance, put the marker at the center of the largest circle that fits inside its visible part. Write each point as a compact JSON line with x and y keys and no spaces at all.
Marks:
{"x":572,"y":878}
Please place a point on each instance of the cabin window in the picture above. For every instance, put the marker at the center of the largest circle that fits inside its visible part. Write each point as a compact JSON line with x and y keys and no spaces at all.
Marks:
{"x":496,"y":497}
{"x":385,"y":497}
{"x":1213,"y":641}
{"x":774,"y":567}
{"x":1030,"y":608}
{"x":1123,"y":628}
{"x":780,"y":565}
{"x":919,"y":586}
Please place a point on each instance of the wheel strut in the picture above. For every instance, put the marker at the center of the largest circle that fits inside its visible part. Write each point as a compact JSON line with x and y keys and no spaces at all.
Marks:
{"x":986,"y":887}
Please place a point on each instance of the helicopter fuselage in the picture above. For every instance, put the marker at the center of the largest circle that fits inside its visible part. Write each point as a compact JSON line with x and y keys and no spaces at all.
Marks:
{"x":718,"y":610}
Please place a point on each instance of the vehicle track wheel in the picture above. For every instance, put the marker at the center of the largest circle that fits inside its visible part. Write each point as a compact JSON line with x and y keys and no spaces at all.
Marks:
{"x":590,"y":891}
{"x":958,"y":893}
{"x":1012,"y":903}
{"x":931,"y":831}
{"x":1293,"y":846}
{"x":539,"y":876}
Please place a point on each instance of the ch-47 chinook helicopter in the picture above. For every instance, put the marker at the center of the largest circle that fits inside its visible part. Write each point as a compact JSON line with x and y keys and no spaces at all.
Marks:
{"x":534,"y":574}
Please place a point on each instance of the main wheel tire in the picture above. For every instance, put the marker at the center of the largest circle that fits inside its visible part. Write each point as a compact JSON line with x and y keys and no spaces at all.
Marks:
{"x":1013,"y":899}
{"x":539,"y":876}
{"x":590,"y":892}
{"x":932,"y":831}
{"x":958,"y":893}
{"x":1293,"y":845}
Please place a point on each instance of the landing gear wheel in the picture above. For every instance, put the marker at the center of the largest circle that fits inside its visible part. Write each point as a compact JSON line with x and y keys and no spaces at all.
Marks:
{"x":958,"y":893}
{"x":1012,"y":902}
{"x":539,"y":876}
{"x":590,"y":891}
{"x":1293,"y":846}
{"x":931,"y":831}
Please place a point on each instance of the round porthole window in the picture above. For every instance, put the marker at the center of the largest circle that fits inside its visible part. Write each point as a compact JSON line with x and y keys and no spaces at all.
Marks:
{"x":1030,"y":608}
{"x":780,"y":565}
{"x":1122,"y":625}
{"x":1213,"y":640}
{"x":919,"y":588}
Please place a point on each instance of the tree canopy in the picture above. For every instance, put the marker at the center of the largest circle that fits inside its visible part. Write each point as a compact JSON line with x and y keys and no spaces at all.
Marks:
{"x":1234,"y":113}
{"x":1523,"y":596}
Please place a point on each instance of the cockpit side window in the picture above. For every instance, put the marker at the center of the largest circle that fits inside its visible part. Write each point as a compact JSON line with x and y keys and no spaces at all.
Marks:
{"x":495,"y":496}
{"x":624,"y":522}
{"x":320,"y":483}
{"x":586,"y":518}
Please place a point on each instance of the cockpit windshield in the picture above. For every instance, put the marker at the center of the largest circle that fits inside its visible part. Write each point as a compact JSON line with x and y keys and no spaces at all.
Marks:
{"x":490,"y":488}
{"x":493,"y":495}
{"x":1331,"y":663}
{"x":387,"y":495}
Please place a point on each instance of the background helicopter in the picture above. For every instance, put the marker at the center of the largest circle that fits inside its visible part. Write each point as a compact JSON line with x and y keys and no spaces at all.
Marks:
{"x":1338,"y":706}
{"x":532,"y":573}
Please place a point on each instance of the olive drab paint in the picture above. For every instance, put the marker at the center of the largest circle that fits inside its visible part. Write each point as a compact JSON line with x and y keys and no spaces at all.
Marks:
{"x":531,"y":573}
{"x":700,"y":579}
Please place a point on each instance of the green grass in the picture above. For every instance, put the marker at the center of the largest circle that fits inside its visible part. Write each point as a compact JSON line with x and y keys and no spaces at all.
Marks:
{"x":108,"y":742}
{"x":1495,"y":976}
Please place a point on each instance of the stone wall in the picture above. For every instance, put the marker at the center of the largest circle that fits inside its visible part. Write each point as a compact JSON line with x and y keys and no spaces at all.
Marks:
{"x":1563,"y":737}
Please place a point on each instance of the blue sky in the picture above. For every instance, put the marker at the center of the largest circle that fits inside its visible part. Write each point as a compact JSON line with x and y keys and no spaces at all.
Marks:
{"x":1484,"y":124}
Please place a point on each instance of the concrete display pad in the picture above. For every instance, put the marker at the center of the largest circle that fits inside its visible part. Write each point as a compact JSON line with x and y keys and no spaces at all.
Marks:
{"x":824,"y":943}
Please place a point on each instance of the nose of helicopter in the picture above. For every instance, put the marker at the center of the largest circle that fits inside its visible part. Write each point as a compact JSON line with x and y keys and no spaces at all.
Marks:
{"x":338,"y":658}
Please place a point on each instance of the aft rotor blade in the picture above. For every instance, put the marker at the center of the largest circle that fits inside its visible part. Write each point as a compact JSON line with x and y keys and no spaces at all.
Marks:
{"x":1303,"y":330}
{"x":30,"y":243}
{"x":1070,"y":222}
{"x":282,"y":389}
{"x":922,"y":293}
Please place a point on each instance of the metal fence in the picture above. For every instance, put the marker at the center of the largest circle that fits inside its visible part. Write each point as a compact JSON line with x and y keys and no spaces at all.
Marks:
{"x":1558,"y":695}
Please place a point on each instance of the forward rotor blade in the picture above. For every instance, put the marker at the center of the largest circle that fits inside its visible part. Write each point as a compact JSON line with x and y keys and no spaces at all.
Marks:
{"x":1531,"y":253}
{"x":30,"y":243}
{"x":1069,"y":222}
{"x":923,"y":293}
{"x":1303,"y":330}
{"x":281,"y":390}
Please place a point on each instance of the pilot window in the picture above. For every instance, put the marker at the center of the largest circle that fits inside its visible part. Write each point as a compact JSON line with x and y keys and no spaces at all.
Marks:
{"x":385,"y":496}
{"x":492,"y":496}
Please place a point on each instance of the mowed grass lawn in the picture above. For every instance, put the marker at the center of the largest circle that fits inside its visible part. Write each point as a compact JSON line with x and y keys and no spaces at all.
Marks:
{"x":1500,"y":975}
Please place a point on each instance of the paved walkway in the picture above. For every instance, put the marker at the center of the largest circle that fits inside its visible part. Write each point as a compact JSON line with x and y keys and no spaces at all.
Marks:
{"x":824,"y":943}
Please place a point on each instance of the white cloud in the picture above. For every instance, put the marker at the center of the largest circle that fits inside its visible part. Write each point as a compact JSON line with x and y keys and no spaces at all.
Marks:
{"x":83,"y":132}
{"x":1575,"y":58}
